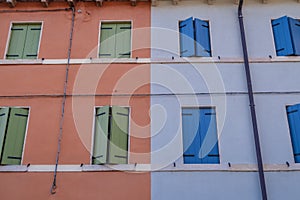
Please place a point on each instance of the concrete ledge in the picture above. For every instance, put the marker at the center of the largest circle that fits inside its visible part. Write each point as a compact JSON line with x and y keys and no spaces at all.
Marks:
{"x":153,"y":168}
{"x":174,"y":60}
{"x":13,"y":168}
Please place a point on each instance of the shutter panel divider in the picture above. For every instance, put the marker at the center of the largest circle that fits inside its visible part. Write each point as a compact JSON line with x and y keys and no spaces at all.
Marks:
{"x":118,"y":147}
{"x":107,"y":41}
{"x":32,"y":41}
{"x":123,"y":40}
{"x":17,"y":41}
{"x":13,"y":147}
{"x":295,"y":34}
{"x":4,"y":113}
{"x":186,"y":30}
{"x":293,"y":113}
{"x":191,"y":135}
{"x":101,"y":135}
{"x":202,"y":38}
{"x":209,"y":136}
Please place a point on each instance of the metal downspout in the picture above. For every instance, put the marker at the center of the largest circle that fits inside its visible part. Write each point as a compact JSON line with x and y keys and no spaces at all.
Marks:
{"x":252,"y":105}
{"x":53,"y":186}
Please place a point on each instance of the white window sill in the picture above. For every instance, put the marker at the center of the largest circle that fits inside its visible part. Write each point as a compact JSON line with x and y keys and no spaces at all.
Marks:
{"x":176,"y":60}
{"x":13,"y":168}
{"x":231,"y":168}
{"x":152,"y":168}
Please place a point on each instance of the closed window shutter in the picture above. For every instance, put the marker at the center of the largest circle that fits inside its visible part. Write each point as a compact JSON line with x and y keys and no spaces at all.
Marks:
{"x":282,"y":37}
{"x":14,"y":141}
{"x":3,"y":125}
{"x":295,"y":33}
{"x":17,"y":41}
{"x":101,"y":135}
{"x":123,"y":40}
{"x":118,"y":145}
{"x":202,"y":38}
{"x":191,"y":136}
{"x":107,"y":41}
{"x":209,"y":152}
{"x":32,"y":41}
{"x":186,"y":29}
{"x":293,"y":113}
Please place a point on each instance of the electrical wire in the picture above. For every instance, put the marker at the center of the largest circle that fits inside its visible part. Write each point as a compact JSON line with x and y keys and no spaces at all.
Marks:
{"x":53,"y":187}
{"x":147,"y":94}
{"x":38,"y":10}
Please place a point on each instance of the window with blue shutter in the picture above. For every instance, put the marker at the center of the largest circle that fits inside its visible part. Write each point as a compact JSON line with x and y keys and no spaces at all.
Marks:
{"x":13,"y":123}
{"x":286,"y":31}
{"x":194,"y":38}
{"x":200,"y":139}
{"x":293,"y":113}
{"x":24,"y":41}
{"x":111,"y":135}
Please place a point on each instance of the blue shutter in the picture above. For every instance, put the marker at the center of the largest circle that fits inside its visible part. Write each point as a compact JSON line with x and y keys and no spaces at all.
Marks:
{"x":209,"y":152}
{"x":282,"y":37}
{"x":202,"y":38}
{"x":293,"y":113}
{"x":295,"y":34}
{"x":186,"y":29}
{"x":191,"y":136}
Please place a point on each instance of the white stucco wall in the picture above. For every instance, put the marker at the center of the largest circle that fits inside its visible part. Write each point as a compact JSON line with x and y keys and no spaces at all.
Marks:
{"x":276,"y":84}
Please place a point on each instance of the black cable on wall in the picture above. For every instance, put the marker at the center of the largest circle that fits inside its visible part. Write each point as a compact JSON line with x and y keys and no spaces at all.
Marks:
{"x":54,"y":185}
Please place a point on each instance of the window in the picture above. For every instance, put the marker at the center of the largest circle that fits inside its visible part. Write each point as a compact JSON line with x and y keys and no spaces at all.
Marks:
{"x":200,"y":141}
{"x":111,"y":135}
{"x":286,"y":32}
{"x":194,"y":38}
{"x":24,"y":41}
{"x":293,"y":113}
{"x":115,"y":40}
{"x":13,"y":122}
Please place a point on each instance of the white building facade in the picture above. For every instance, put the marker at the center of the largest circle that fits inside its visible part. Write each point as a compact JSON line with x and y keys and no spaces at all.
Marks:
{"x":184,"y":86}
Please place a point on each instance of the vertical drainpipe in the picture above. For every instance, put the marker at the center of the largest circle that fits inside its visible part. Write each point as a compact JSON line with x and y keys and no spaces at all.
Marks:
{"x":252,"y":105}
{"x":53,"y":186}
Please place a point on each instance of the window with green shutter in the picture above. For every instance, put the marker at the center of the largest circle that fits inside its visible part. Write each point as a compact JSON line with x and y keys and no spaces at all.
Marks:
{"x":13,"y":123}
{"x":115,"y":40}
{"x":24,"y":41}
{"x":111,"y":135}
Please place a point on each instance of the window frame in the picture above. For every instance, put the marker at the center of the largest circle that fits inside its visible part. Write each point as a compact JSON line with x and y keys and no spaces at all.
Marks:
{"x":93,"y":135}
{"x":290,"y":133}
{"x":114,"y":22}
{"x":273,"y":38}
{"x":9,"y":37}
{"x":25,"y":134}
{"x":181,"y":159}
{"x":210,"y":39}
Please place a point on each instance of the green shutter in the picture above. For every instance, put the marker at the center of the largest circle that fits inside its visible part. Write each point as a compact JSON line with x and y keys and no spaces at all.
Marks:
{"x":13,"y":147}
{"x":107,"y":41}
{"x":118,"y":145}
{"x":101,"y":135}
{"x":3,"y":124}
{"x":17,"y":41}
{"x":32,"y":41}
{"x":123,"y":40}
